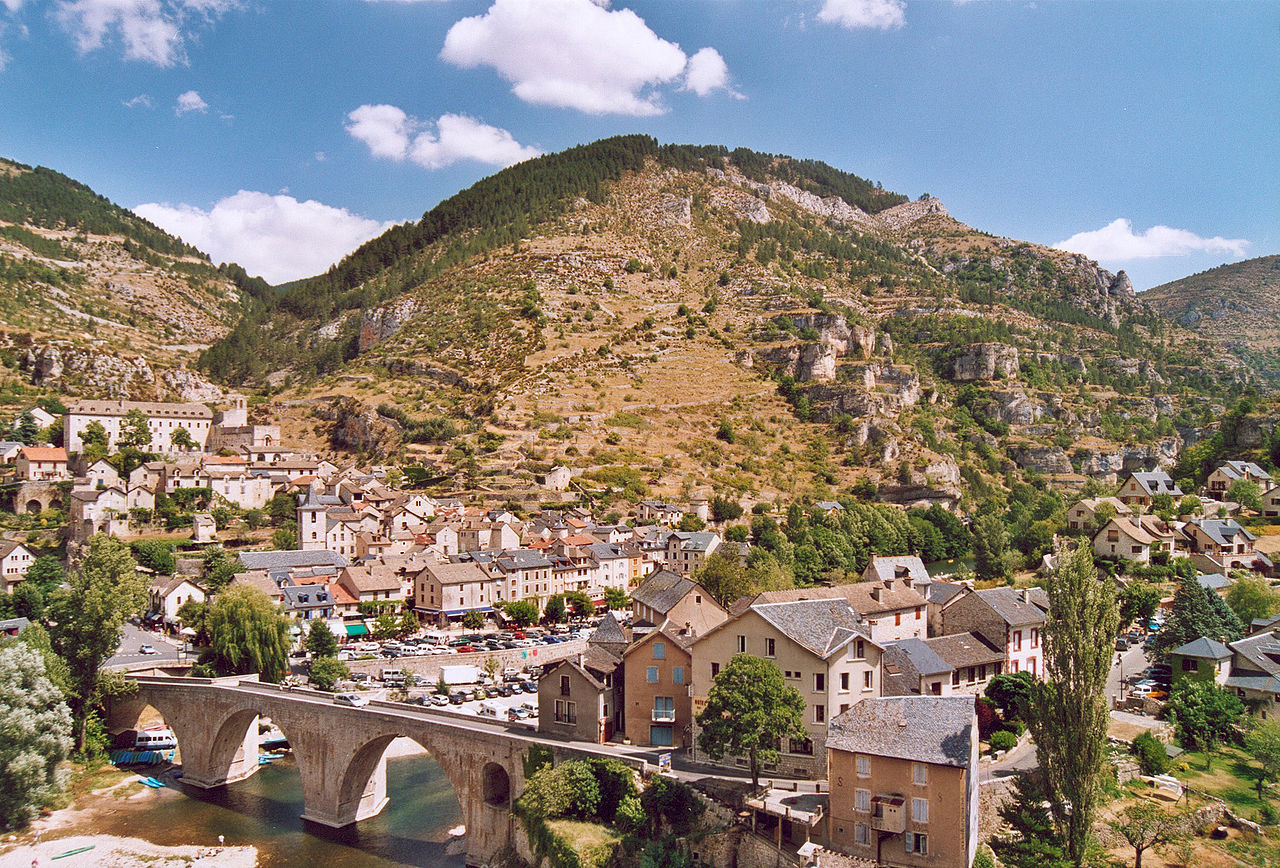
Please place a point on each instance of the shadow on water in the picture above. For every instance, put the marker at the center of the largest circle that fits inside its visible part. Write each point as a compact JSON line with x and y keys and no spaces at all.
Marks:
{"x":266,"y":809}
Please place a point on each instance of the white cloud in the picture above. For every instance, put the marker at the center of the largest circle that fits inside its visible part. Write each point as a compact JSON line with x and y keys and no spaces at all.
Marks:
{"x":707,"y":73}
{"x":1117,"y":242}
{"x":390,"y":133}
{"x":154,"y":31}
{"x":189,"y":102}
{"x":11,"y":5}
{"x":142,"y":100}
{"x":277,"y":237}
{"x":577,"y":54}
{"x":864,"y":14}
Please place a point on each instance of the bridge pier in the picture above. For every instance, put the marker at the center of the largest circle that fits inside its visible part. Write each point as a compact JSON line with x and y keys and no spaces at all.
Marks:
{"x":335,"y":809}
{"x":230,"y":755}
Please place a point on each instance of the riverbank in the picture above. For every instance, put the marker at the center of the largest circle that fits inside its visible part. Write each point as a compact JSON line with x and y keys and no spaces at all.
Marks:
{"x":109,"y":851}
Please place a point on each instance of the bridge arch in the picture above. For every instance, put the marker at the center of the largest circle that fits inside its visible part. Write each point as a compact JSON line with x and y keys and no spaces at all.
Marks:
{"x":497,"y":786}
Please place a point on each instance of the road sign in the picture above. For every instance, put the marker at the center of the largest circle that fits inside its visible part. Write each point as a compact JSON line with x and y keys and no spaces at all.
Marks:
{"x":664,"y":760}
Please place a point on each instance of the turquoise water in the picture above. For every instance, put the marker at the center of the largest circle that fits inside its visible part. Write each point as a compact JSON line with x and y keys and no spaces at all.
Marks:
{"x":266,"y":809}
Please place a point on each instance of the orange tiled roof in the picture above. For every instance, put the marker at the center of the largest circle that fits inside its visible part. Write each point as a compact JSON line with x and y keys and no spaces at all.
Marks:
{"x":44,"y":453}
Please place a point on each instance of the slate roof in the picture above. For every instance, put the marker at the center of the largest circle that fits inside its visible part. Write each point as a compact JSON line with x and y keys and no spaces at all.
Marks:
{"x":292,"y":559}
{"x":939,"y":593}
{"x":662,"y":590}
{"x":924,"y":659}
{"x":822,"y":627}
{"x":7,"y":547}
{"x":1204,"y":649}
{"x":1222,"y":530}
{"x":608,"y":633}
{"x":1213,"y":581}
{"x":1009,"y":605}
{"x":1242,"y":470}
{"x":931,"y":729}
{"x":1261,"y":651}
{"x":1260,"y":683}
{"x":1157,"y":482}
{"x":306,"y":597}
{"x":893,"y":566}
{"x":965,"y":649}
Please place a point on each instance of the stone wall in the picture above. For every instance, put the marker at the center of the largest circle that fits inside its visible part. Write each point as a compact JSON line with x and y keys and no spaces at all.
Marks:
{"x":992,"y":796}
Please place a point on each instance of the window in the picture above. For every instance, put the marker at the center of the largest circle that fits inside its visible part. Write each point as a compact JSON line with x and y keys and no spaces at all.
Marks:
{"x":1035,"y":637}
{"x":819,"y":714}
{"x":917,"y":613}
{"x":697,"y":599}
{"x":917,"y":843}
{"x":742,"y":644}
{"x":566,"y":712}
{"x":862,"y":800}
{"x":955,"y":678}
{"x":1188,"y":665}
{"x":897,"y":619}
{"x":801,"y":746}
{"x":651,"y":675}
{"x":819,"y":682}
{"x":919,"y":774}
{"x":564,"y":685}
{"x":863,"y":765}
{"x":859,"y":650}
{"x":920,"y":810}
{"x":862,"y":833}
{"x":677,"y":675}
{"x":769,"y":649}
{"x":664,"y":708}
{"x":1017,"y":640}
{"x":715,"y":669}
{"x":659,"y":650}
{"x":1013,"y":666}
{"x":866,"y":680}
{"x":844,"y":681}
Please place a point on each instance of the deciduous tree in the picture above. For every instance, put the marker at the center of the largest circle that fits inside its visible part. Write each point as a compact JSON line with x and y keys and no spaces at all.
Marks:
{"x":554,"y":612}
{"x":1138,"y":602}
{"x":320,"y":640}
{"x":1250,"y":597}
{"x":1069,"y":708}
{"x":1204,"y":715}
{"x":991,"y":549}
{"x":36,"y":725}
{"x":1146,"y":825}
{"x":521,"y":612}
{"x":248,"y":634}
{"x":135,"y":432}
{"x":1262,"y":743}
{"x":750,"y":709}
{"x":86,"y":616}
{"x":326,"y":672}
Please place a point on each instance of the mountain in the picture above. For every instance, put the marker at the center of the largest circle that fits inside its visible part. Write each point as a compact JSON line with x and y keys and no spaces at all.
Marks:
{"x":666,"y":319}
{"x":1236,"y":306}
{"x":95,"y":300}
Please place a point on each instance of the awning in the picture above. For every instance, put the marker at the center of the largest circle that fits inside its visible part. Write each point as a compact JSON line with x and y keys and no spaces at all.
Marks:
{"x":481,"y":609}
{"x":357,"y":630}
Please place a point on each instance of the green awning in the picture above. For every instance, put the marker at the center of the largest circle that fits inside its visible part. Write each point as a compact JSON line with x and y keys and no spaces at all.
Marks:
{"x":357,"y":630}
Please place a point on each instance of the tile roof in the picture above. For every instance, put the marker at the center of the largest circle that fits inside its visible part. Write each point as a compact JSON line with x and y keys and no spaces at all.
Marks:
{"x":150,"y":408}
{"x":291,"y":559}
{"x":44,"y":453}
{"x":965,"y":649}
{"x":933,"y":729}
{"x":662,"y":590}
{"x":822,"y":627}
{"x":1009,"y":605}
{"x":456,"y":574}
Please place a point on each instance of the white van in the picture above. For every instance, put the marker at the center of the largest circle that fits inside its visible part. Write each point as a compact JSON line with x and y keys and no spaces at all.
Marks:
{"x":154,"y":739}
{"x":487,"y":709}
{"x":393,"y":676}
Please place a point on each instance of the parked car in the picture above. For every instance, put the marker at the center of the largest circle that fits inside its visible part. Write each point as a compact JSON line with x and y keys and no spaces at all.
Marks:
{"x":1122,"y":644}
{"x":147,"y":649}
{"x":517,"y":713}
{"x":529,"y":686}
{"x":457,"y":697}
{"x":361,"y":677}
{"x":506,"y":690}
{"x":355,"y":700}
{"x":481,"y":693}
{"x":531,"y":707}
{"x":439,"y":699}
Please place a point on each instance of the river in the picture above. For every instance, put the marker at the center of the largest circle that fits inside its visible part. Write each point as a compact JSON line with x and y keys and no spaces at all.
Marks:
{"x":266,"y":809}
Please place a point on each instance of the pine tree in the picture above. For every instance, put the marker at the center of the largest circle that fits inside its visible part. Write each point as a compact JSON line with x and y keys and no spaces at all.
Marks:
{"x":1069,"y":708}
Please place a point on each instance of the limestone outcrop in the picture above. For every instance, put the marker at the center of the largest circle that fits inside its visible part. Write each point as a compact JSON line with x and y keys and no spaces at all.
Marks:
{"x":985,"y":362}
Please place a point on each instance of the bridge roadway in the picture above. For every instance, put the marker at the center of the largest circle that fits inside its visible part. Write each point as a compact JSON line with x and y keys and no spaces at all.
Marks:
{"x":340,"y":750}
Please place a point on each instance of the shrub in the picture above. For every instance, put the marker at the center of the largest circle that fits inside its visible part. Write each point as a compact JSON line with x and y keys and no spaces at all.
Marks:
{"x":1151,"y":755}
{"x":1016,"y":727}
{"x":1267,"y":815}
{"x":630,"y":817}
{"x":672,"y":801}
{"x":1003,"y":740}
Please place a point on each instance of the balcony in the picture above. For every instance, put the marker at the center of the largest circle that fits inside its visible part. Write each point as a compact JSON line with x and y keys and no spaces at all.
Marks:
{"x":663,"y":715}
{"x":887,"y":814}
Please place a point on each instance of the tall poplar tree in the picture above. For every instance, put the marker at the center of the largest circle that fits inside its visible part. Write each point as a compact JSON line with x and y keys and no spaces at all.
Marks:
{"x":1069,"y":707}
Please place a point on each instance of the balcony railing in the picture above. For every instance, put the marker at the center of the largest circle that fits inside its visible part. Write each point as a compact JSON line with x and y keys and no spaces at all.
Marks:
{"x":663,"y":715}
{"x":887,"y":814}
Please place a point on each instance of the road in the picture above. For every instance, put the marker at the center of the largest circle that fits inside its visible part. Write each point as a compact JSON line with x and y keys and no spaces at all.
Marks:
{"x":132,"y":638}
{"x":1131,"y":663}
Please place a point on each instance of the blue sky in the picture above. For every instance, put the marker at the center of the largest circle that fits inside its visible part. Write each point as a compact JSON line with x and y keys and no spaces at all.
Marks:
{"x":282,"y":133}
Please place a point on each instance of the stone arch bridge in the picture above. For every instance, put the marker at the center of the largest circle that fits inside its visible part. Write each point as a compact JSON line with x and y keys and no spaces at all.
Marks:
{"x":340,"y":750}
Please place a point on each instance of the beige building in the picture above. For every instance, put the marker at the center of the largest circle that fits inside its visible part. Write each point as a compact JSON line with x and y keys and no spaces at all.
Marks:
{"x":1140,"y":488}
{"x":1081,"y":515}
{"x":577,"y":696}
{"x":823,"y":649}
{"x":666,"y":597}
{"x":448,"y":591}
{"x":15,"y":560}
{"x":904,"y":781}
{"x":163,"y":420}
{"x":42,"y":464}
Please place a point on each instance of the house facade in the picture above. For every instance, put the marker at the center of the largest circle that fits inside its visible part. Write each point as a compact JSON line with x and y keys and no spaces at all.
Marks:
{"x":658,"y":676}
{"x":163,"y":421}
{"x":1011,"y":620}
{"x":15,"y":560}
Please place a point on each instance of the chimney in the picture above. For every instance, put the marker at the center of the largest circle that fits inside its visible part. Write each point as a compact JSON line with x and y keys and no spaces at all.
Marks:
{"x":888,"y":584}
{"x":1026,"y":595}
{"x":875,"y":594}
{"x":582,"y":660}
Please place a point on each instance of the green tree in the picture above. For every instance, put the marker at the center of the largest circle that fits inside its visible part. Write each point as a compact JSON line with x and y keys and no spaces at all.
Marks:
{"x":46,"y":573}
{"x":254,"y":518}
{"x":194,"y":614}
{"x":1247,"y":493}
{"x":219,"y":569}
{"x":1251,"y":597}
{"x":409,"y":623}
{"x":991,"y":549}
{"x":1069,"y":707}
{"x":93,"y":440}
{"x":1138,"y":602}
{"x":27,"y":601}
{"x":1011,"y":693}
{"x":1036,"y":842}
{"x":750,"y":709}
{"x":724,"y":509}
{"x":155,"y":555}
{"x":37,"y":735}
{"x":579,"y":604}
{"x":522,"y":612}
{"x":282,"y":507}
{"x":86,"y":616}
{"x":182,"y":438}
{"x":1146,"y":825}
{"x":385,"y":625}
{"x":1262,"y":743}
{"x":1194,"y":614}
{"x":1204,"y":715}
{"x":284,"y":539}
{"x":326,"y":672}
{"x":473,"y":620}
{"x":320,"y":640}
{"x":248,"y":634}
{"x":1153,"y":759}
{"x":28,"y":429}
{"x":724,"y":577}
{"x":690,"y":523}
{"x":135,"y":432}
{"x":616,"y":598}
{"x":554,"y":612}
